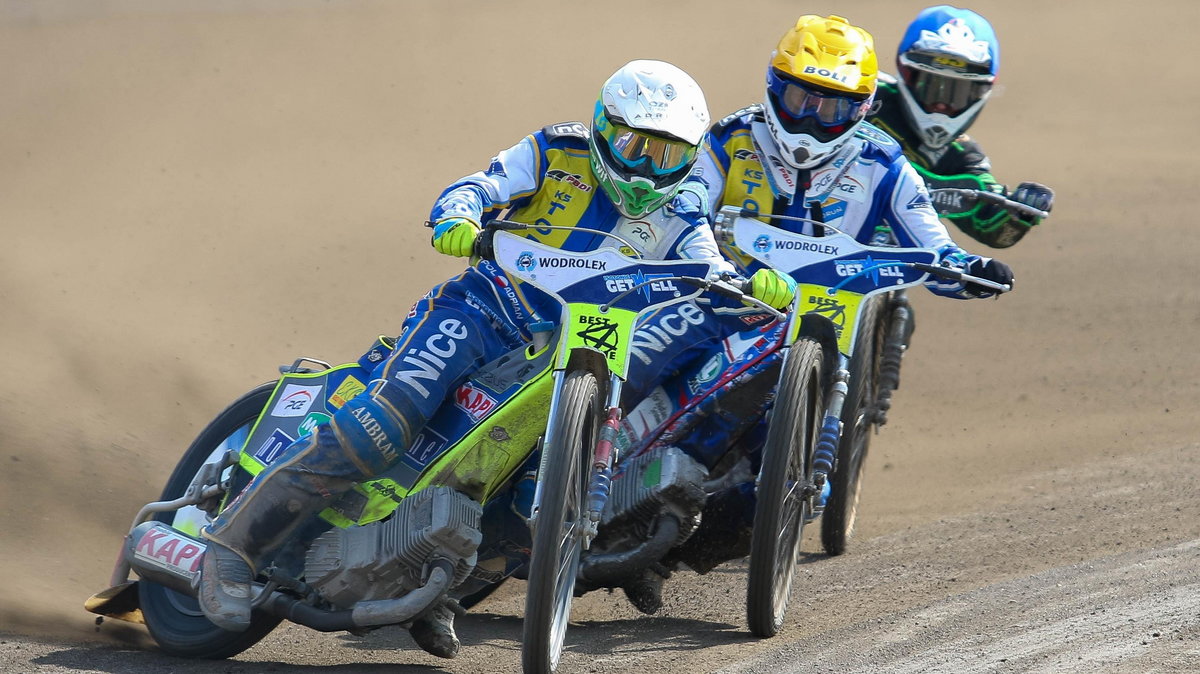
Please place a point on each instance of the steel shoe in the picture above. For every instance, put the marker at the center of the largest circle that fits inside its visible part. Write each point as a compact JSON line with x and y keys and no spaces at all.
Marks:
{"x":224,"y":588}
{"x":434,"y":632}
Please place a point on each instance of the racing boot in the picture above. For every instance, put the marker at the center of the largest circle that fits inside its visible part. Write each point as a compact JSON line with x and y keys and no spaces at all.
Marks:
{"x":434,"y":631}
{"x":296,"y":486}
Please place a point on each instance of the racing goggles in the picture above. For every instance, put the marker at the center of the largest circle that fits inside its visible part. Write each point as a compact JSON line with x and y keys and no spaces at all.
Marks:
{"x":797,"y":102}
{"x":943,"y":88}
{"x":643,"y":154}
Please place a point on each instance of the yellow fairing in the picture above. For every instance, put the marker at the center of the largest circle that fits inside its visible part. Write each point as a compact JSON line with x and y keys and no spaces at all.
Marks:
{"x":483,"y":461}
{"x":841,"y":308}
{"x":478,"y":464}
{"x":829,"y":52}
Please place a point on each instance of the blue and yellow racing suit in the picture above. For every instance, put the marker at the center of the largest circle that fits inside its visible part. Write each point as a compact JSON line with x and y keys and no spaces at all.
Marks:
{"x":867,"y":190}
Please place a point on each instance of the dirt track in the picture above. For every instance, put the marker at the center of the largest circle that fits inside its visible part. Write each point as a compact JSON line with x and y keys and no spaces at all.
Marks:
{"x":189,"y":187}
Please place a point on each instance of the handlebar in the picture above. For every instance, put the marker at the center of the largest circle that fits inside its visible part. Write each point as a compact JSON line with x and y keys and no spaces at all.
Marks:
{"x":734,"y":289}
{"x":484,"y":248}
{"x":956,"y":275}
{"x":994,"y":198}
{"x":486,"y":251}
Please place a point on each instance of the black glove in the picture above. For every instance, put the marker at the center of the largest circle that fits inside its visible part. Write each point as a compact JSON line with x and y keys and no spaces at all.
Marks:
{"x":1033,"y":194}
{"x":992,"y":270}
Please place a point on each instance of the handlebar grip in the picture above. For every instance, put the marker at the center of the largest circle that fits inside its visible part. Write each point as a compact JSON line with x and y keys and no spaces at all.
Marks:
{"x":736,"y":293}
{"x":956,"y":275}
{"x":484,"y":244}
{"x":996,"y":199}
{"x":938,"y":270}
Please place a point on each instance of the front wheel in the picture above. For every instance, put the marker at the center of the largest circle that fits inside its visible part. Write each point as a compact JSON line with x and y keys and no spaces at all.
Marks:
{"x":558,"y":529}
{"x":173,"y":619}
{"x":782,"y":502}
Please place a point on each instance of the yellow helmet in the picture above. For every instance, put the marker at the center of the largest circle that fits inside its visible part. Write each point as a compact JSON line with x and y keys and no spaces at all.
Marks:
{"x":829,"y":52}
{"x":820,"y":86}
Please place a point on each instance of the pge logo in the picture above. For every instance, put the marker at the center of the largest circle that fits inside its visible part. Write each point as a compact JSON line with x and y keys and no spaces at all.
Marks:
{"x":526,"y":261}
{"x":763,"y":243}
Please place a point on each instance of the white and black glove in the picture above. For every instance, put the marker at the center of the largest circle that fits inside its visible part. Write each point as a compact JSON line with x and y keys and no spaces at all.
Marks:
{"x":990,"y":270}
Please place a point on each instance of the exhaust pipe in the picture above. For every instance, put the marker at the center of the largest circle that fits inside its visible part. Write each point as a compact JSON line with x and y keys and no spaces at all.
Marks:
{"x":168,"y":557}
{"x":616,"y":567}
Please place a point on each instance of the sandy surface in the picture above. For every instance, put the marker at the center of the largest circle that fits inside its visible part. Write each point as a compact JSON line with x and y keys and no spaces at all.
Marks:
{"x":192,"y":193}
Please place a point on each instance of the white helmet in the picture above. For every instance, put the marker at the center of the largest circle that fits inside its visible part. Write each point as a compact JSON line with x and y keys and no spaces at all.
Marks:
{"x":647,"y":131}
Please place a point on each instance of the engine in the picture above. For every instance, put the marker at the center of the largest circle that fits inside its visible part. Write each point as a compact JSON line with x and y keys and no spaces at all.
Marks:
{"x":664,"y":480}
{"x":387,"y":559}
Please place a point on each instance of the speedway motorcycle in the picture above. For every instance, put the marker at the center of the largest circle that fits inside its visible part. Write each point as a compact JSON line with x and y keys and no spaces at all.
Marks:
{"x":820,"y":418}
{"x":394,"y":546}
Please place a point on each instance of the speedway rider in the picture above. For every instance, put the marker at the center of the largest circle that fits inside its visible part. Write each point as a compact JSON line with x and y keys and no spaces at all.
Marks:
{"x":627,"y":172}
{"x":948,"y":60}
{"x":807,"y":152}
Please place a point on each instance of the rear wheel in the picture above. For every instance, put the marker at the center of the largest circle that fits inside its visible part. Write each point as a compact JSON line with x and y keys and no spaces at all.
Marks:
{"x":558,"y":529}
{"x":782,"y":503}
{"x":173,"y":619}
{"x":841,"y":509}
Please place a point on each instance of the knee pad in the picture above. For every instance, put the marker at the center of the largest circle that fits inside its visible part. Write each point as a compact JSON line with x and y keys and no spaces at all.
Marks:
{"x":372,"y":433}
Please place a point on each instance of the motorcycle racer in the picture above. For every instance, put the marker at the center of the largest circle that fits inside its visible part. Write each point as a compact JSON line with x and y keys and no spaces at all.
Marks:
{"x":625,"y":175}
{"x":947,"y":62}
{"x":808,"y":152}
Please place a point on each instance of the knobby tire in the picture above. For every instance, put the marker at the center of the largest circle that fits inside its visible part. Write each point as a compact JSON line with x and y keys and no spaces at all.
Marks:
{"x":780,"y":509}
{"x":554,"y":559}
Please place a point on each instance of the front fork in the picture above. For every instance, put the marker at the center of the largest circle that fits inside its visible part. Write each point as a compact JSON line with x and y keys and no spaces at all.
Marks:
{"x":605,"y":458}
{"x":825,"y":454}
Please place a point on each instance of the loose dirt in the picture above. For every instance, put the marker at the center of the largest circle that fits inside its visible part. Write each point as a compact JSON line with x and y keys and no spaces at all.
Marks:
{"x":197,"y":192}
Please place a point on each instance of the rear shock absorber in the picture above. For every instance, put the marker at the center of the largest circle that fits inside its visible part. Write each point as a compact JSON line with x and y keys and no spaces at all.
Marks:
{"x":893,"y":351}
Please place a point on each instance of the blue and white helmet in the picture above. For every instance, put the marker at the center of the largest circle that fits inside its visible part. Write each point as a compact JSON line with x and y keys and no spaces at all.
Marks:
{"x":948,"y":61}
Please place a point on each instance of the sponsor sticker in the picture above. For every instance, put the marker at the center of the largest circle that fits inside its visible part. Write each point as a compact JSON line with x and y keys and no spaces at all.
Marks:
{"x":475,"y":402}
{"x":707,"y":373}
{"x":295,"y":400}
{"x":310,"y":423}
{"x":424,"y":447}
{"x":601,"y":334}
{"x":273,"y":447}
{"x":573,"y":179}
{"x":659,"y":283}
{"x":165,"y":548}
{"x":349,"y":388}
